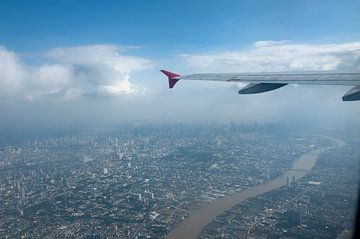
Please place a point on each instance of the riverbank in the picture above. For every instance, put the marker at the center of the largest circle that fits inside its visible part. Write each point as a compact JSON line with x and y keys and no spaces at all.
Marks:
{"x":192,"y":226}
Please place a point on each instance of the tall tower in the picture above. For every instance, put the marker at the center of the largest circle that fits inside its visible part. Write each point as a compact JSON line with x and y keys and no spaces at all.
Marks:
{"x":287,"y":182}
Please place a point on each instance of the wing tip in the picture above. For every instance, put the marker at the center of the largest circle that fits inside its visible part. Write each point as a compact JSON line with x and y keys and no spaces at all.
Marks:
{"x":171,"y":78}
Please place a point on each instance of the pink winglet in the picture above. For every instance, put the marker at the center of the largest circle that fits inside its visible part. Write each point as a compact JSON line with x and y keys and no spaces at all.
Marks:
{"x":171,"y":77}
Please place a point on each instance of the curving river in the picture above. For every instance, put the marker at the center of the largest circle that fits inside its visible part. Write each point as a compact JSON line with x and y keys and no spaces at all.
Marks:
{"x":191,"y":227}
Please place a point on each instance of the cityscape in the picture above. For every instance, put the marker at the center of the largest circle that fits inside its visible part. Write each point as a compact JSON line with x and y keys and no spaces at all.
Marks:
{"x":179,"y":119}
{"x":320,"y":205}
{"x":143,"y":181}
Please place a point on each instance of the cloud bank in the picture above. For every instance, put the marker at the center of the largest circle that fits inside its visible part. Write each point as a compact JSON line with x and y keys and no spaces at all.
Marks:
{"x":99,"y":85}
{"x":280,"y":56}
{"x":96,"y":70}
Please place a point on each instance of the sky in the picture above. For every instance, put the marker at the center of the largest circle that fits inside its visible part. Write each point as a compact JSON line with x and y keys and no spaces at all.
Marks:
{"x":95,"y":63}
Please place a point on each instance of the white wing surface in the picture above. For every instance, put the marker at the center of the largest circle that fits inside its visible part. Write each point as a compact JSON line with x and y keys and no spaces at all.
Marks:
{"x":267,"y":81}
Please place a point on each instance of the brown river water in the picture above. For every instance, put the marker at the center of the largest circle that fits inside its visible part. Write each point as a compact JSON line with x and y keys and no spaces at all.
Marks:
{"x":191,"y":227}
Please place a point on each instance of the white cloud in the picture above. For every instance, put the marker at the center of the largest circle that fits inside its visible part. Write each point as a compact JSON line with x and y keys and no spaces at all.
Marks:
{"x":280,"y":56}
{"x":12,"y":74}
{"x":96,"y":70}
{"x":75,"y":73}
{"x":100,"y":69}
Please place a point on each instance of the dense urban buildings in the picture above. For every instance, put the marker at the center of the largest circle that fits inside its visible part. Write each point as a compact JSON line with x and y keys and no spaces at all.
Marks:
{"x":142,"y":181}
{"x":320,"y":205}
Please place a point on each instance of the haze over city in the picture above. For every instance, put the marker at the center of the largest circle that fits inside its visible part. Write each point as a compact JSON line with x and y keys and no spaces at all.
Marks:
{"x":97,"y":65}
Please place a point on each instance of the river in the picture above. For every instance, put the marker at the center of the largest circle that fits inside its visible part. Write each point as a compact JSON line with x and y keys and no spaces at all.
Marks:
{"x":191,"y":227}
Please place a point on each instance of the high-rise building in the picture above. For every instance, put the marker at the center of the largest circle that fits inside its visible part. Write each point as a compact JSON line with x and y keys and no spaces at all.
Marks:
{"x":23,"y":193}
{"x":287,"y":182}
{"x":106,"y":171}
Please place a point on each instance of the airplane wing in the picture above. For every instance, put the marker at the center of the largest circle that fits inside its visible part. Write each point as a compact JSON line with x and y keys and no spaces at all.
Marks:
{"x":267,"y":81}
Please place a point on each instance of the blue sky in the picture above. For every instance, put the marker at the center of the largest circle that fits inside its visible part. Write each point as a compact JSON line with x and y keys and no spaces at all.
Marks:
{"x":163,"y":27}
{"x":97,"y":62}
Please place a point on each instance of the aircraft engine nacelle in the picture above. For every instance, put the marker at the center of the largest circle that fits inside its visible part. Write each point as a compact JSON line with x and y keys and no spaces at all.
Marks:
{"x":352,"y":94}
{"x":254,"y":88}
